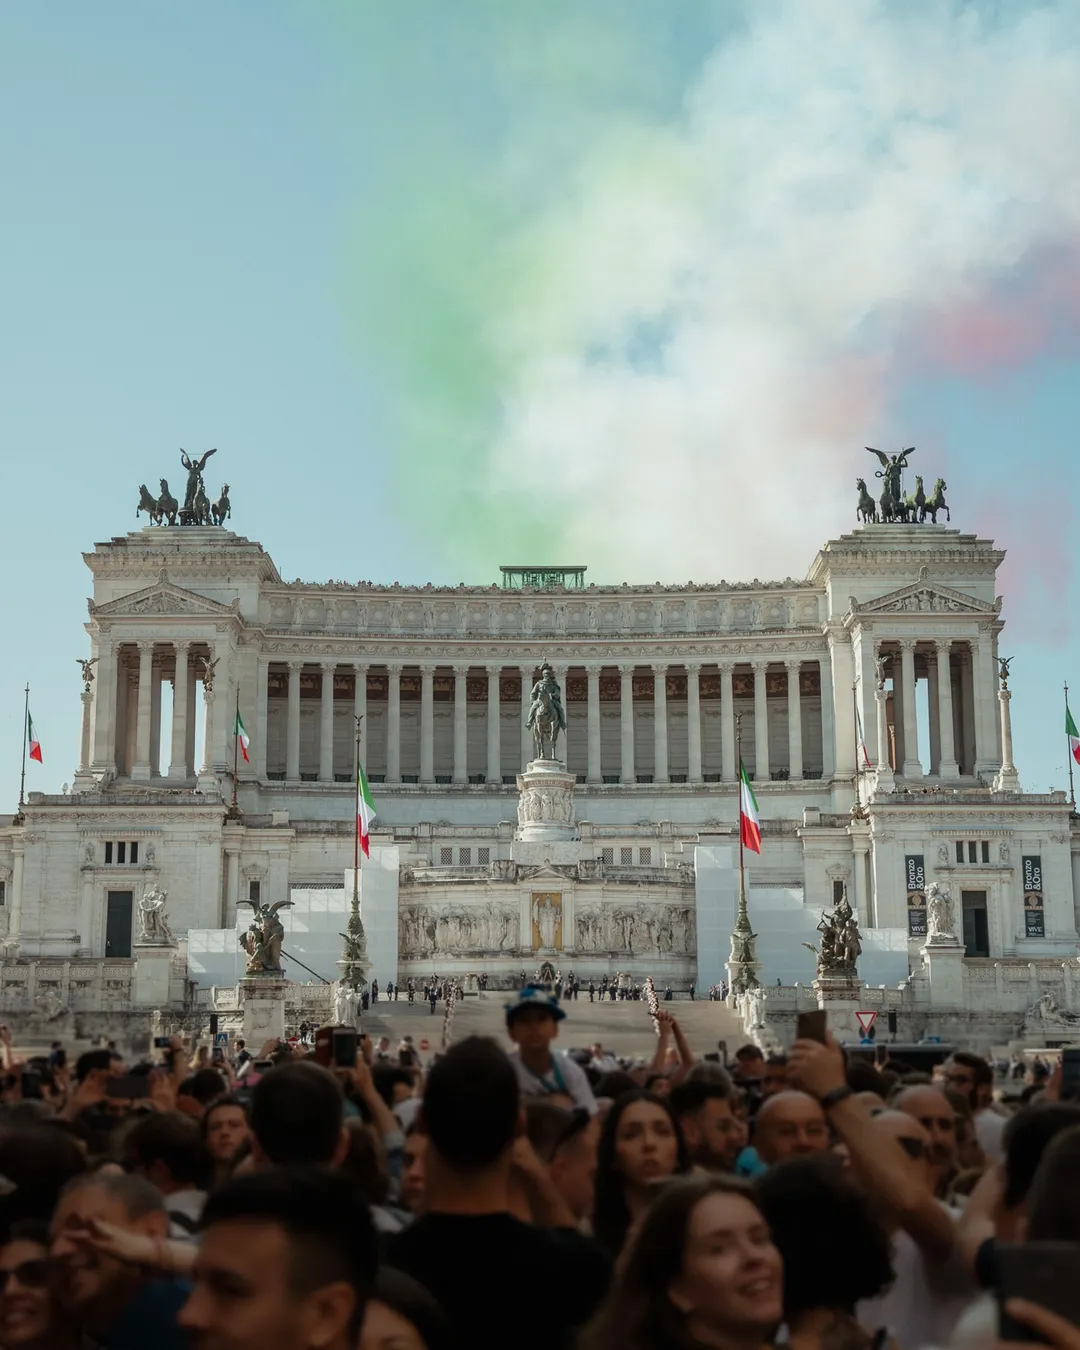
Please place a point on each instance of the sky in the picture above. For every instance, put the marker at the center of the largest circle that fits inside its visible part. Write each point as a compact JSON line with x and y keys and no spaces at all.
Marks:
{"x":626,"y":282}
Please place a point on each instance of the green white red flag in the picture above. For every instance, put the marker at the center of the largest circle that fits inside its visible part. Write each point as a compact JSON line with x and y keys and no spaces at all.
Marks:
{"x":33,"y":744}
{"x":1070,"y":731}
{"x":749,"y":820}
{"x":365,"y":811}
{"x":242,"y":738}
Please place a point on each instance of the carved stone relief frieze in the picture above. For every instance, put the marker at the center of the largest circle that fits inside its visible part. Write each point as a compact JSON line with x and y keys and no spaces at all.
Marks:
{"x":429,"y":930}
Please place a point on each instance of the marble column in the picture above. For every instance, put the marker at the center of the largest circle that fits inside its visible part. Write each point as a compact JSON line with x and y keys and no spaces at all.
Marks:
{"x":208,"y":732}
{"x":693,"y":721}
{"x":192,"y":708}
{"x":626,"y":725}
{"x":179,"y":769}
{"x":933,"y":754}
{"x":326,"y":722}
{"x":141,"y":768}
{"x":761,"y":724}
{"x":232,"y":885}
{"x":262,"y":716}
{"x":527,"y":674}
{"x":729,"y":770}
{"x":393,"y":723}
{"x":18,"y":847}
{"x":155,"y":717}
{"x":595,"y":772}
{"x":841,"y":675}
{"x":292,"y":729}
{"x":105,"y":691}
{"x":660,"y":729}
{"x":494,"y":725}
{"x":84,"y":739}
{"x":947,"y":765}
{"x":461,"y":726}
{"x":884,"y":775}
{"x":427,"y":724}
{"x":912,"y":767}
{"x":360,"y":707}
{"x":794,"y":710}
{"x":986,"y":722}
{"x":1007,"y":779}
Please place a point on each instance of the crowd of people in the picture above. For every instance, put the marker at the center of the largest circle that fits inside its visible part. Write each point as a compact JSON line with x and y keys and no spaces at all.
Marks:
{"x":519,"y":1194}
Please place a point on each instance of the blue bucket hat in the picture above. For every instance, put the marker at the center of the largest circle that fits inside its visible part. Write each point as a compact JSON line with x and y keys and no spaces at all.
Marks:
{"x":532,"y":997}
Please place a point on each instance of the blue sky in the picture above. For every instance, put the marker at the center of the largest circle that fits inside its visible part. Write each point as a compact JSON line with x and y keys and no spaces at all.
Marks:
{"x":415,"y":269}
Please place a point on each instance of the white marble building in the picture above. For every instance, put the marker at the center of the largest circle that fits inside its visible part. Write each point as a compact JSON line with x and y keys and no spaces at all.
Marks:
{"x":654,"y":680}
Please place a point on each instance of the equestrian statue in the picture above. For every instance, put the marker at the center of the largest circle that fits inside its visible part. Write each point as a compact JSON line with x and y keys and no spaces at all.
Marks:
{"x":546,"y":716}
{"x":893,"y":507}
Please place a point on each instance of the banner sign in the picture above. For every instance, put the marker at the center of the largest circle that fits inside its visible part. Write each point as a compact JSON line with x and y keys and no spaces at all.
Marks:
{"x":915,"y":881}
{"x":1034,"y":911}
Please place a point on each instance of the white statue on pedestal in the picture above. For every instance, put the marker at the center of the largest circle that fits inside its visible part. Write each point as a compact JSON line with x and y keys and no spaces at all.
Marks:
{"x":546,"y":916}
{"x":153,"y":925}
{"x":940,"y":915}
{"x":346,"y":1007}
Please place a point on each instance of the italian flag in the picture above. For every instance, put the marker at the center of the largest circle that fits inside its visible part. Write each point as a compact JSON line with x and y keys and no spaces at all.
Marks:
{"x":32,"y":740}
{"x":241,"y":735}
{"x":749,"y":821}
{"x":1070,"y":731}
{"x":365,"y":809}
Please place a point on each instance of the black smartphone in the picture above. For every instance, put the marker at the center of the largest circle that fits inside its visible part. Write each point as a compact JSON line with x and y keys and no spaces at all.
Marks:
{"x":1046,"y":1273}
{"x":810,"y":1026}
{"x":131,"y":1087}
{"x":344,"y":1047}
{"x":262,"y":1065}
{"x":218,"y":1054}
{"x":1070,"y":1073}
{"x":31,"y":1084}
{"x":161,"y":1042}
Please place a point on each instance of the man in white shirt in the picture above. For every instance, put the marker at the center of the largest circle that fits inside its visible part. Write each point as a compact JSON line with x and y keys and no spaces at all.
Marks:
{"x":532,"y":1023}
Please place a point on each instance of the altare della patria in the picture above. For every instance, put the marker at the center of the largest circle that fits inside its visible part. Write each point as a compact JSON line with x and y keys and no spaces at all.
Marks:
{"x":554,"y":770}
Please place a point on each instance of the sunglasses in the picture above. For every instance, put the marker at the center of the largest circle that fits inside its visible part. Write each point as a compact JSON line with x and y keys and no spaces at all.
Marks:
{"x":31,"y":1275}
{"x":914,"y":1148}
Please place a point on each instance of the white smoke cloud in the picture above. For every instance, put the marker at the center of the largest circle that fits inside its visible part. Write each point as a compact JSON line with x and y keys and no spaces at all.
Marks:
{"x":710,"y":328}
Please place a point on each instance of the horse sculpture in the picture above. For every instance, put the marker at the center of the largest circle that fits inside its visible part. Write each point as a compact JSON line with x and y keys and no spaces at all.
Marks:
{"x":147,"y":504}
{"x":546,"y":726}
{"x":866,"y":511}
{"x":936,"y":503}
{"x":915,"y":502}
{"x":222,"y":507}
{"x":167,"y":504}
{"x":201,"y":506}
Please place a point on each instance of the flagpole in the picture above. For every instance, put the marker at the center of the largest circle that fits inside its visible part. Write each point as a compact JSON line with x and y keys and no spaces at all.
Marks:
{"x":742,"y":915}
{"x":356,"y":819}
{"x":235,"y":749}
{"x":857,"y":810}
{"x":26,"y":734}
{"x":1068,"y":754}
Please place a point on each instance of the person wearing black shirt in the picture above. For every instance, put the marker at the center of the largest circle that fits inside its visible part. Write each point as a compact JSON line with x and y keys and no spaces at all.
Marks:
{"x":541,"y":1281}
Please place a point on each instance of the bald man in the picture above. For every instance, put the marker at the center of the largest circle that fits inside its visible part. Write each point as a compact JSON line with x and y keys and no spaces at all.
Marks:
{"x":935,"y":1114}
{"x":789,"y":1125}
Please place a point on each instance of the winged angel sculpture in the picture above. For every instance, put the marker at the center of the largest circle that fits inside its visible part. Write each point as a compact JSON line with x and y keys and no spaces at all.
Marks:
{"x":264,"y":937}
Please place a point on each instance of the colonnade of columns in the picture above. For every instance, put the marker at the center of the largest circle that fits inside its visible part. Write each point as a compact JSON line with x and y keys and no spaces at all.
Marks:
{"x":123,"y":729}
{"x":495,"y":730}
{"x":963,"y":731}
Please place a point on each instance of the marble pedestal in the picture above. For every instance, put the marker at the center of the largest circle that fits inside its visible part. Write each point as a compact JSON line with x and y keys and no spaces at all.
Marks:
{"x":943,"y":961}
{"x":263,"y":999}
{"x":840,"y":996}
{"x":153,"y":966}
{"x":546,"y":804}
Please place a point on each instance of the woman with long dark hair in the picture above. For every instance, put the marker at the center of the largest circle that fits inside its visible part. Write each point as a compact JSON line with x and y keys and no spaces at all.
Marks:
{"x":641,"y":1145}
{"x":701,"y":1271}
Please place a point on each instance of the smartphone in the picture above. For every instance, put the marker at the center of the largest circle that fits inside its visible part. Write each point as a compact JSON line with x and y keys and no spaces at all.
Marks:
{"x":713,"y":1056}
{"x":131,"y":1087}
{"x":218,"y":1054}
{"x":324,"y":1038}
{"x":810,"y":1026}
{"x":344,"y":1046}
{"x":1070,"y":1073}
{"x":161,"y":1042}
{"x":1047,"y":1273}
{"x":262,"y":1066}
{"x":31,"y":1084}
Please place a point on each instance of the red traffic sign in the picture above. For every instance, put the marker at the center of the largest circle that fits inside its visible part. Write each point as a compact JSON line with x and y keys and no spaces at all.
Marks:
{"x":866,"y":1020}
{"x":424,"y":1045}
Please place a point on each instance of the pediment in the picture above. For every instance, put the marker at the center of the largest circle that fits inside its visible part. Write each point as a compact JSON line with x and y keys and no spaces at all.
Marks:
{"x":546,"y":872}
{"x":162,"y":598}
{"x":922,"y":598}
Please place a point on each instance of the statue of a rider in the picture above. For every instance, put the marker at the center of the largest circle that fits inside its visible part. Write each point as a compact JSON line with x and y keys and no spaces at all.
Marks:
{"x":546,"y":691}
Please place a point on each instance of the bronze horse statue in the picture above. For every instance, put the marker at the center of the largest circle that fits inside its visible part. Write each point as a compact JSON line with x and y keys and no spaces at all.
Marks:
{"x":546,"y":725}
{"x":222,"y":507}
{"x":866,"y":511}
{"x":167,"y":504}
{"x":936,"y":503}
{"x":147,"y":504}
